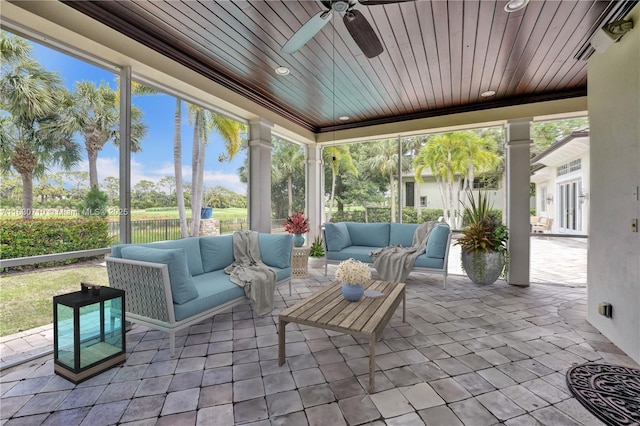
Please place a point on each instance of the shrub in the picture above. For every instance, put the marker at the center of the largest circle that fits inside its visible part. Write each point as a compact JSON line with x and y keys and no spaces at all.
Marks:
{"x":23,"y":238}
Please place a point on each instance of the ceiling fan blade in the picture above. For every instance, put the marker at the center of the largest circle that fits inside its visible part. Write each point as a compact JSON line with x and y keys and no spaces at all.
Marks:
{"x":307,"y":31}
{"x":378,"y":2}
{"x":362,"y":33}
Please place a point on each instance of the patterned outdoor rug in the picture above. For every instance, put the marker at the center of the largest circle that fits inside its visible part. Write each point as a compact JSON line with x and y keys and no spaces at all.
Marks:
{"x":610,"y":392}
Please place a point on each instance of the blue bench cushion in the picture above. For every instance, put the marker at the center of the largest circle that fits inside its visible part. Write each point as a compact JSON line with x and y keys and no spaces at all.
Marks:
{"x":182,"y":286}
{"x":275,"y":249}
{"x":437,"y":242}
{"x":360,"y":253}
{"x":401,"y":234}
{"x":191,"y":246}
{"x":369,"y":234}
{"x":337,"y":236}
{"x":217,"y":252}
{"x":423,"y":261}
{"x":214,"y":289}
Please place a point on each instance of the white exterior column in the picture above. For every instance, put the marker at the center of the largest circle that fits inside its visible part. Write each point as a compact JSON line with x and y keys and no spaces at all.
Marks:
{"x":518,"y":144}
{"x":315,"y":198}
{"x":260,"y":175}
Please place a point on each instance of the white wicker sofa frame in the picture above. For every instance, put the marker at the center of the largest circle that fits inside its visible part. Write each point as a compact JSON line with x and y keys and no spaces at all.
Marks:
{"x":363,"y":238}
{"x":149,"y":297}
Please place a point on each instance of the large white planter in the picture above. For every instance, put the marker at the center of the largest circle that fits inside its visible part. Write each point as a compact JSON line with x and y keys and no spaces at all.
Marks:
{"x":483,"y":268}
{"x":316,"y":262}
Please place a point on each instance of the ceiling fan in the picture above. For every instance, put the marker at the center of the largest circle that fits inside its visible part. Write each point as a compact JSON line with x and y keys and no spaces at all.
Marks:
{"x":357,"y":25}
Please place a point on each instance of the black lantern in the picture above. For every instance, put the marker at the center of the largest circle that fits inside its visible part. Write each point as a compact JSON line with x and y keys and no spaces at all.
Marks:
{"x":88,"y":332}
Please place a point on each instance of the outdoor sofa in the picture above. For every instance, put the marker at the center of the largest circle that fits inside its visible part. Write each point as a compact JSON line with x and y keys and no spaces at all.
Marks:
{"x":172,"y":285}
{"x":345,"y":240}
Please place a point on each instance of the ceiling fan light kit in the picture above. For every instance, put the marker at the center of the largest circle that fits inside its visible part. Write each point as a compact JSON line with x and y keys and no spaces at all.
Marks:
{"x":356,"y":23}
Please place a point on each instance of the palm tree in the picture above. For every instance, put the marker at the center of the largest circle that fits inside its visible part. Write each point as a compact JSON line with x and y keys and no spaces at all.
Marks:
{"x":31,"y":98}
{"x":177,"y":166}
{"x":337,"y":156}
{"x":286,"y":161}
{"x":95,"y":112}
{"x":204,"y":121}
{"x":477,"y":155}
{"x":384,"y":160}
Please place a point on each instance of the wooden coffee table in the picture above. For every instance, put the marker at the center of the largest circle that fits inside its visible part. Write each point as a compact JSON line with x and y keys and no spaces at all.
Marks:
{"x":328,"y":309}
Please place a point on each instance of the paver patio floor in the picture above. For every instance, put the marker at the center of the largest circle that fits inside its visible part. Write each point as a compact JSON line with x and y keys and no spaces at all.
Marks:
{"x":467,"y":355}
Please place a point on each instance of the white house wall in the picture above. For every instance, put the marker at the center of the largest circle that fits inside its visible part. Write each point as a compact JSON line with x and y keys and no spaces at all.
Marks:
{"x":431,"y":190}
{"x":613,"y":268}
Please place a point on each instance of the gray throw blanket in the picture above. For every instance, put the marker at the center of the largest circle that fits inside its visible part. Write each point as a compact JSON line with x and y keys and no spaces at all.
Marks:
{"x":248,"y":271}
{"x":394,"y":263}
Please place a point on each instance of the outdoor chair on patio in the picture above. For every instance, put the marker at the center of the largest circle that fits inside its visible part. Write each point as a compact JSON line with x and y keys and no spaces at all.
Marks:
{"x":543,"y":225}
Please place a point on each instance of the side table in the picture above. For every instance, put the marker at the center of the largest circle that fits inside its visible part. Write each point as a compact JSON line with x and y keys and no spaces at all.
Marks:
{"x":300,"y":262}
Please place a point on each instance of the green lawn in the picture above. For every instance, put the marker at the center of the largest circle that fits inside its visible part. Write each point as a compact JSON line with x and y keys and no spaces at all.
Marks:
{"x":26,"y":298}
{"x":168,"y":213}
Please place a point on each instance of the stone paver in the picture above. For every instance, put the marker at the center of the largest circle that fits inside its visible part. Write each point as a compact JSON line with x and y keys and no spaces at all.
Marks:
{"x":466,"y":355}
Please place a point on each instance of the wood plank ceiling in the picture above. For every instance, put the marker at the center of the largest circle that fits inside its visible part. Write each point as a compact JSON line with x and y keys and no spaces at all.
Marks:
{"x":439,"y":56}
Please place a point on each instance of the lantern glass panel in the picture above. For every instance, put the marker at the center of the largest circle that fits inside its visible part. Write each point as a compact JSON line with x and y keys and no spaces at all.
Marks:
{"x":65,"y":335}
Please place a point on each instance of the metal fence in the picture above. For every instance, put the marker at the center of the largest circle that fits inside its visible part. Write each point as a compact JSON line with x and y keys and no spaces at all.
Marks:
{"x":148,"y":231}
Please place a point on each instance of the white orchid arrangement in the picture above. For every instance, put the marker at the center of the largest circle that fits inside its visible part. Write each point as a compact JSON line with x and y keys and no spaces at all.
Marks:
{"x":353,"y":272}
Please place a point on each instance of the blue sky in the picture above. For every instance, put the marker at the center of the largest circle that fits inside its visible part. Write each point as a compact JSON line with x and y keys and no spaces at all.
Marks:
{"x":156,"y":158}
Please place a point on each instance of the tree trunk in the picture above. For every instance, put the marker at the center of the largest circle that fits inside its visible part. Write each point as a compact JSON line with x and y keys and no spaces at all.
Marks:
{"x":195,"y":154}
{"x":177,"y":166}
{"x":27,"y":195}
{"x":333,"y":194}
{"x":392,"y":193}
{"x":92,"y":155}
{"x":290,"y":192}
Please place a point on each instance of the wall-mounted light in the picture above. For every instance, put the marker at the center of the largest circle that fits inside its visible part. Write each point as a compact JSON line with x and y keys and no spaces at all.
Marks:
{"x":583,"y":196}
{"x":610,"y":33}
{"x":549,"y":199}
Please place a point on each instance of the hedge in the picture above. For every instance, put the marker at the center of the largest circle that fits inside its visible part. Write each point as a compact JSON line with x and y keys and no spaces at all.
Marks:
{"x":33,"y":237}
{"x":383,"y":214}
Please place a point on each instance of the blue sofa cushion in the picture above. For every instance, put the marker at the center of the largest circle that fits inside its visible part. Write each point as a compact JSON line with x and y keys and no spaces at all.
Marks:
{"x":275,"y":249}
{"x":191,"y":246}
{"x":437,"y":242}
{"x":217,"y":252}
{"x":360,"y":253}
{"x":182,"y":287}
{"x":369,"y":234}
{"x":423,"y":261}
{"x":214,"y":289}
{"x":401,"y":234}
{"x":337,"y":236}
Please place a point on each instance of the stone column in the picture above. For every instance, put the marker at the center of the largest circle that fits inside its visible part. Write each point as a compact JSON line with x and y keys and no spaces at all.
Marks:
{"x":517,"y":193}
{"x":209,"y":227}
{"x":315,"y":197}
{"x":260,"y":175}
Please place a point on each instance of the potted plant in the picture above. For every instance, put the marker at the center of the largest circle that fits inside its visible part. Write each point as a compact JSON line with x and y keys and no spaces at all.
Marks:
{"x":316,"y":253}
{"x":297,"y":225}
{"x":353,"y":274}
{"x":483,"y":241}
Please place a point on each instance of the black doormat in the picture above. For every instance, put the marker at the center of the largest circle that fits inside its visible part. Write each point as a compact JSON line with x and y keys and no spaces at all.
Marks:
{"x":610,"y":392}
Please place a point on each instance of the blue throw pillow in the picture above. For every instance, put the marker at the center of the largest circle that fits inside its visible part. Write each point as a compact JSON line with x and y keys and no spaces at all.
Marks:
{"x":182,"y":286}
{"x":437,"y":242}
{"x":191,"y":247}
{"x":275,"y":249}
{"x":337,"y":236}
{"x":217,"y":252}
{"x":368,"y":234}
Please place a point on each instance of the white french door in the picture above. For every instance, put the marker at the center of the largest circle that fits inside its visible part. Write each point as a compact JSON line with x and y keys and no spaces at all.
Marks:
{"x":569,"y":206}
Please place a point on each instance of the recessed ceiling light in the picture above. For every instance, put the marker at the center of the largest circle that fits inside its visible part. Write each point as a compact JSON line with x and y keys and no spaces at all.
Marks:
{"x":282,"y":71}
{"x":514,"y":5}
{"x":343,"y":118}
{"x":488,"y":93}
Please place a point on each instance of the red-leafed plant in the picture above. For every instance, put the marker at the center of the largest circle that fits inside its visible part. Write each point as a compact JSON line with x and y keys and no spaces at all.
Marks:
{"x":296,"y":224}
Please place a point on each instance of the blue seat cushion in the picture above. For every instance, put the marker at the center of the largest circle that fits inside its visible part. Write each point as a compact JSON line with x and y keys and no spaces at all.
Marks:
{"x":360,"y":253}
{"x":437,"y":242}
{"x":401,"y":234}
{"x":369,"y":234}
{"x":191,"y":246}
{"x":216,"y":251}
{"x":337,"y":236}
{"x":282,"y":273}
{"x":214,"y":289}
{"x":182,"y":286}
{"x":423,"y":261}
{"x":275,"y":249}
